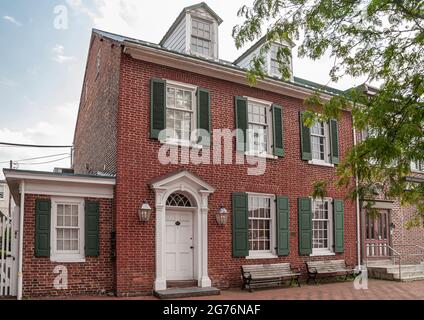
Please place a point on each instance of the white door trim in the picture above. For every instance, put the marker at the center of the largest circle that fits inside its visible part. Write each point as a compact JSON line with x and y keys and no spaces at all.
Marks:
{"x":199,"y":191}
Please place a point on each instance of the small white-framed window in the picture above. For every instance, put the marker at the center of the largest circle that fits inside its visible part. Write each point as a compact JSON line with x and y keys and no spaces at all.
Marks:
{"x":274,"y":64}
{"x":2,"y":191}
{"x":320,"y":141}
{"x":261,"y":225}
{"x":322,"y":226}
{"x":180,"y":113}
{"x":417,"y":165}
{"x":202,"y":37}
{"x":259,"y":134}
{"x":67,"y":223}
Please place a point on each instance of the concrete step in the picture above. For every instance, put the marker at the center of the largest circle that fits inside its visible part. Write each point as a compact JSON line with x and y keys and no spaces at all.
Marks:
{"x":181,"y":284}
{"x":409,"y":272}
{"x":384,"y":262}
{"x":177,"y":293}
{"x":409,"y":278}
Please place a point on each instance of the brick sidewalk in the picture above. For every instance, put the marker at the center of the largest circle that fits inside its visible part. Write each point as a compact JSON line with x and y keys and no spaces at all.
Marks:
{"x":377,"y":290}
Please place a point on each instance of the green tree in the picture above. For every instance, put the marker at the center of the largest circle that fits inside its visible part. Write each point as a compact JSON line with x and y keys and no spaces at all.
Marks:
{"x":380,"y":40}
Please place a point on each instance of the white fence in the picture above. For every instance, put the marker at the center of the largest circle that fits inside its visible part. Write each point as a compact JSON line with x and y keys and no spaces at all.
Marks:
{"x":7,"y":257}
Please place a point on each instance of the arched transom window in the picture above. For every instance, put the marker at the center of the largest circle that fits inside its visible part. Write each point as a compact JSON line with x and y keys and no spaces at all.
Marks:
{"x":178,"y":200}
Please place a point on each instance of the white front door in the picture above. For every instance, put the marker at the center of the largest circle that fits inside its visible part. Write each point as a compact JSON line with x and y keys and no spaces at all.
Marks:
{"x":179,"y":245}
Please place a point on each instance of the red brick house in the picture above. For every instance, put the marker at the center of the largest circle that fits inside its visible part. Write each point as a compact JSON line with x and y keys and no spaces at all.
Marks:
{"x":140,"y":103}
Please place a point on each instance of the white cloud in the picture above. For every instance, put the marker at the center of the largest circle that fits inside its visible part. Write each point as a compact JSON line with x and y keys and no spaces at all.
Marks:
{"x":12,"y":20}
{"x":57,"y":129}
{"x":7,"y":82}
{"x":59,"y":54}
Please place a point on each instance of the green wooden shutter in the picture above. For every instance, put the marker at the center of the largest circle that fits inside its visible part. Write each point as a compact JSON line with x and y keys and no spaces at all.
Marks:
{"x":204,"y":115}
{"x":334,"y":135}
{"x":92,"y":218}
{"x":305,"y":139}
{"x":157,"y":107}
{"x":240,"y":225}
{"x":241,"y":122}
{"x":283,"y":226}
{"x":305,"y":226}
{"x":278,"y":129}
{"x":42,"y":228}
{"x":338,"y":216}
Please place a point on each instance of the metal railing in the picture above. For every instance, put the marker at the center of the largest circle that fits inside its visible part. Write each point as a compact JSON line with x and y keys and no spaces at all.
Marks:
{"x":395,"y":254}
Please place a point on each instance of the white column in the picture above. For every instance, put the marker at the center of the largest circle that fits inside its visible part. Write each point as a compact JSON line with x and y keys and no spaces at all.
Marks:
{"x":160,"y":281}
{"x":205,"y":281}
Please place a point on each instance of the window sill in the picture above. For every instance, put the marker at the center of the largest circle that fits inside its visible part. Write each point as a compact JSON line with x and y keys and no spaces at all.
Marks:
{"x":417,"y":171}
{"x":321,"y":163}
{"x":261,"y":256}
{"x":259,"y":155}
{"x":322,"y":254}
{"x":67,"y":260}
{"x":177,"y":143}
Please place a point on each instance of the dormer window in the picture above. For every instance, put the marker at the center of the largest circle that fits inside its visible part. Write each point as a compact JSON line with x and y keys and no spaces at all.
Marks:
{"x":274,"y":65}
{"x":195,"y":32}
{"x":201,"y":37}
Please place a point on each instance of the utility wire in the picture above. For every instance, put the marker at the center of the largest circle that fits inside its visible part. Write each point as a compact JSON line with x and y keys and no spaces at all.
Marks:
{"x":53,"y":155}
{"x":32,"y":145}
{"x":29,"y":164}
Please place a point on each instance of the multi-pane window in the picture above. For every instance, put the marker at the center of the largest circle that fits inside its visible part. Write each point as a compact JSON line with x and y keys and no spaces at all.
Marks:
{"x":319,"y":140}
{"x":67,"y":228}
{"x":274,"y":64}
{"x":321,"y":225}
{"x":418,"y":165}
{"x":260,"y":223}
{"x":201,"y":37}
{"x":2,"y":188}
{"x":179,"y":113}
{"x":259,"y":124}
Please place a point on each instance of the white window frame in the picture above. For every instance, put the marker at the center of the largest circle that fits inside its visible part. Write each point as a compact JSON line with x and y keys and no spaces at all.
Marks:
{"x":212,"y":38}
{"x":329,"y":251}
{"x":276,"y":47}
{"x":2,"y":192}
{"x":266,"y":254}
{"x":270,"y":149}
{"x":193,"y":138}
{"x":60,"y":256}
{"x":327,"y":147}
{"x":417,"y":166}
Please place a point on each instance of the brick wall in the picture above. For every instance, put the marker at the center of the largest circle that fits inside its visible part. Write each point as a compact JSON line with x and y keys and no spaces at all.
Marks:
{"x":137,"y":165}
{"x":95,"y":134}
{"x":93,"y":277}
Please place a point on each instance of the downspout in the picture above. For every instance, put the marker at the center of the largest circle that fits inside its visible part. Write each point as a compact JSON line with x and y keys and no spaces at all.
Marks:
{"x":21,"y":240}
{"x":358,"y":209}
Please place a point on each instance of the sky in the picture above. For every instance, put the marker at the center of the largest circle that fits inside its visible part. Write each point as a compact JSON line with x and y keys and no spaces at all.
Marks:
{"x":43,"y":56}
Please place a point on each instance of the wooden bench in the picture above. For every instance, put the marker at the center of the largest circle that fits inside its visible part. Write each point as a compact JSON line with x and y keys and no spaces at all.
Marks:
{"x":263,"y":275}
{"x":328,"y":268}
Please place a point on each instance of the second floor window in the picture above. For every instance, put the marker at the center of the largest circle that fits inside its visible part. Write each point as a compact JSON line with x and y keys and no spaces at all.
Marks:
{"x":319,"y":141}
{"x":259,"y":124}
{"x":201,"y":38}
{"x":179,"y":113}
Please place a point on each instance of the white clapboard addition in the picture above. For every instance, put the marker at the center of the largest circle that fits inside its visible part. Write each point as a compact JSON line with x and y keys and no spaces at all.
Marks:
{"x":8,"y":257}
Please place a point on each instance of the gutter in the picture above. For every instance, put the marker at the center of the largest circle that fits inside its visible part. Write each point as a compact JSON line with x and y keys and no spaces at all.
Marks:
{"x":214,"y":69}
{"x":21,"y":240}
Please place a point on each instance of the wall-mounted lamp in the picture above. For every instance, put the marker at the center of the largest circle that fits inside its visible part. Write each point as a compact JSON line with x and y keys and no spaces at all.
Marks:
{"x":145,"y":212}
{"x":222,"y":216}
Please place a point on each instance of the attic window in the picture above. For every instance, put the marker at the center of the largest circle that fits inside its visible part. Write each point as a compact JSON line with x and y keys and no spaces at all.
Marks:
{"x":201,"y":37}
{"x":274,"y":65}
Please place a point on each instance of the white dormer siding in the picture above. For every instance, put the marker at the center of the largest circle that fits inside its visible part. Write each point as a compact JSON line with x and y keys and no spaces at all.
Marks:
{"x":177,"y":41}
{"x":271,"y":63}
{"x":195,"y":32}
